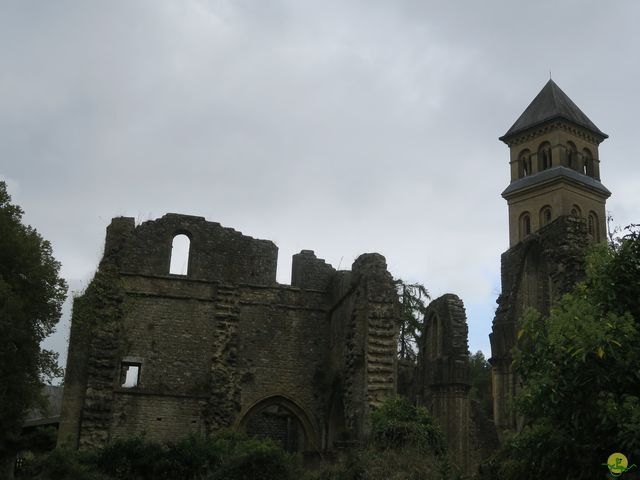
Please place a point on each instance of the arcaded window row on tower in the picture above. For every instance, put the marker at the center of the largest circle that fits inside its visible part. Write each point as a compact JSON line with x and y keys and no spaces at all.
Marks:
{"x":546,"y":215}
{"x":579,"y":161}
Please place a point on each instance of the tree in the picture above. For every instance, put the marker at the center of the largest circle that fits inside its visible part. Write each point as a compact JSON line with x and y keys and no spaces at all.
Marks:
{"x":480,"y":376}
{"x":413,"y":307}
{"x":31,"y":296}
{"x":580,"y":374}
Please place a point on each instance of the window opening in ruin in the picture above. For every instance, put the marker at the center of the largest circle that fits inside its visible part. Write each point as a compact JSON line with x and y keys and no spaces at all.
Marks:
{"x":544,"y":155}
{"x":525,"y":225}
{"x":179,"y":264}
{"x":575,"y":211}
{"x":592,"y":226}
{"x":545,"y":216}
{"x":571,"y":155}
{"x":525,"y":163}
{"x":587,"y":162}
{"x":130,"y":375}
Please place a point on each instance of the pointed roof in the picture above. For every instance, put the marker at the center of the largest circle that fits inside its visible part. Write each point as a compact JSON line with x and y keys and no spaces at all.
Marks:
{"x":551,"y":104}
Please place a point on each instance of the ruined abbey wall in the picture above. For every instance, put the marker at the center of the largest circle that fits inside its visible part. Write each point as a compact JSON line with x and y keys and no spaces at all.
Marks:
{"x":225,"y":345}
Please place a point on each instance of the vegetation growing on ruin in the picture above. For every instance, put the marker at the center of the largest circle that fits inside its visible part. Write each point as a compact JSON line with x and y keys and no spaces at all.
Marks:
{"x":227,"y":456}
{"x":580,"y":370}
{"x":405,"y":444}
{"x":480,"y":377}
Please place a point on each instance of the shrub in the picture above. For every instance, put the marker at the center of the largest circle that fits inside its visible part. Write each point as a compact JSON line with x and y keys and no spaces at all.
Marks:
{"x":252,"y":458}
{"x":398,"y":424}
{"x":132,"y":458}
{"x":64,"y":464}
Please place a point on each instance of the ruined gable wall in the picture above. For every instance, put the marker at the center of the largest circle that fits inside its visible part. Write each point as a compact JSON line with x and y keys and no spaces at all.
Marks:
{"x":216,"y":253}
{"x":209,"y":345}
{"x":217,"y":345}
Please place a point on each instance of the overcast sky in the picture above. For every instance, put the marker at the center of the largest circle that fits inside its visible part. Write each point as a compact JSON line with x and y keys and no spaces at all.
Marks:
{"x":339,"y":126}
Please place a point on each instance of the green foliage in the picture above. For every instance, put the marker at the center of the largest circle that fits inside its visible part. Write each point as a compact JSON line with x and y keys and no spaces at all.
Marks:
{"x":614,"y":273}
{"x":255,"y":458}
{"x":226,"y":455}
{"x":397,"y":424}
{"x":413,"y":307}
{"x":131,"y":458}
{"x":31,"y":296}
{"x":480,"y":376}
{"x":401,"y":464}
{"x":63,"y":464}
{"x":580,"y":371}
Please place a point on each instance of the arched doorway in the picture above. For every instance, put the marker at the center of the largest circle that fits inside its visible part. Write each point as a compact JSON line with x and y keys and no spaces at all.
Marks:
{"x":281,"y":419}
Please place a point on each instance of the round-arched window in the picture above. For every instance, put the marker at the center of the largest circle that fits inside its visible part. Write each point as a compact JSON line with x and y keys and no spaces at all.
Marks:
{"x":525,"y":225}
{"x":544,"y":156}
{"x":179,"y":263}
{"x":545,"y":216}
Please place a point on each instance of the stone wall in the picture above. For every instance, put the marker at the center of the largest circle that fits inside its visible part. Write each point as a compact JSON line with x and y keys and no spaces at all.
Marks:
{"x":161,"y":354}
{"x":541,"y":268}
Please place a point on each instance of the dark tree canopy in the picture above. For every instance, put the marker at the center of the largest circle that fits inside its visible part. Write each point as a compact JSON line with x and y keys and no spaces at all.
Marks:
{"x":480,"y":376}
{"x":31,"y":297}
{"x":412,"y":303}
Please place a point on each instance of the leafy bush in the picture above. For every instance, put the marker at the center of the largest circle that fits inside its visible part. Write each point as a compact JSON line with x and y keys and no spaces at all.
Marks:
{"x":398,"y":424}
{"x":64,"y":464}
{"x":132,"y":458}
{"x":253,"y":458}
{"x":226,"y":455}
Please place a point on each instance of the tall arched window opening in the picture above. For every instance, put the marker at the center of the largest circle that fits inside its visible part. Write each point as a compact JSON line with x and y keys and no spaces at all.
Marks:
{"x":587,"y":162}
{"x":544,"y":156}
{"x":545,"y":216}
{"x":592,"y":226}
{"x":575,"y":211}
{"x":179,"y":264}
{"x":524,"y":163}
{"x":525,"y":225}
{"x":572,"y":156}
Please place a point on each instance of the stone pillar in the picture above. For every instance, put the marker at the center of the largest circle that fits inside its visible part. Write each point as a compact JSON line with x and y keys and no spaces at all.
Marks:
{"x":443,"y":370}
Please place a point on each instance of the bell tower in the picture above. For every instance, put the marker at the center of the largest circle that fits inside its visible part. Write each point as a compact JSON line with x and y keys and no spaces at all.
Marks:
{"x":556,"y":211}
{"x":555,"y":167}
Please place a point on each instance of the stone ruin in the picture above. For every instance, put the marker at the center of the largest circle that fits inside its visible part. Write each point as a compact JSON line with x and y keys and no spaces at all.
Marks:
{"x":225,"y":345}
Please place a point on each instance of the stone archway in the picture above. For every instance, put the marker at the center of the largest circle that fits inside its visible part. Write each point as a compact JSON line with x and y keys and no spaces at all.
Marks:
{"x":281,"y":419}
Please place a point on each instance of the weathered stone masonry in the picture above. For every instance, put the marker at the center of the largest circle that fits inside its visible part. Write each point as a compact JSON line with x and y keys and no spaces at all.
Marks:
{"x":225,"y":345}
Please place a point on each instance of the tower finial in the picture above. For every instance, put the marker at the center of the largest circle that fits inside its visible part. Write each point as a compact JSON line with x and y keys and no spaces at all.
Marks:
{"x":550,"y":75}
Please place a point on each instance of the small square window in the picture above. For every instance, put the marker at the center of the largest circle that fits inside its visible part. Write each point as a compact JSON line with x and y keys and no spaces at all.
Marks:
{"x":130,"y":375}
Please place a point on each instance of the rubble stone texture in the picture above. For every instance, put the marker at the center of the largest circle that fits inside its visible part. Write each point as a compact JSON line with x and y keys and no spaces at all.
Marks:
{"x":159,"y":354}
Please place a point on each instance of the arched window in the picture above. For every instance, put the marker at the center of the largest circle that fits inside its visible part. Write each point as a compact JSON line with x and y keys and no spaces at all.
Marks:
{"x":179,"y":264}
{"x":435,"y":336}
{"x":524,"y":163}
{"x":592,"y":226}
{"x":545,"y":216}
{"x":525,"y":225}
{"x":572,"y":156}
{"x":575,"y":211}
{"x":587,"y":162}
{"x":544,"y":156}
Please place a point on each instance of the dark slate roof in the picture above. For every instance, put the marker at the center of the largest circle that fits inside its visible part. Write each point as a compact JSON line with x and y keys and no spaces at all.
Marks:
{"x":553,"y":173}
{"x":551,"y":104}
